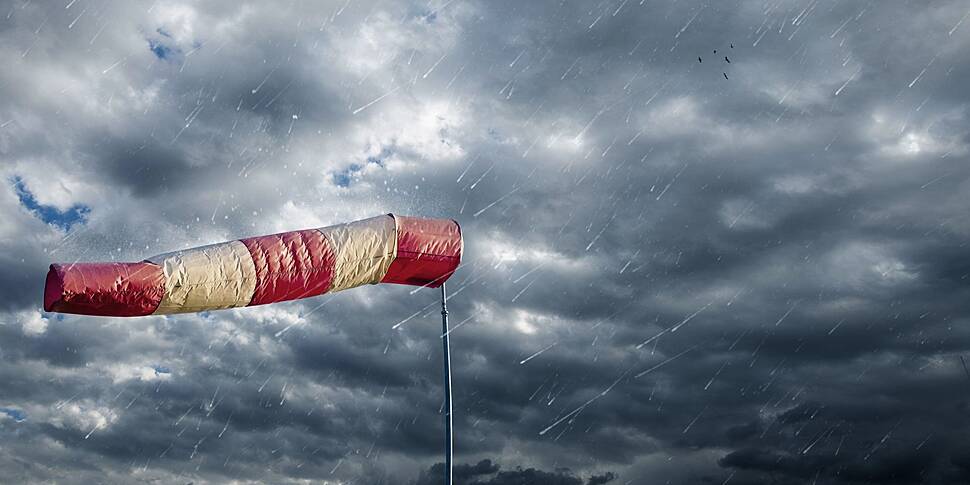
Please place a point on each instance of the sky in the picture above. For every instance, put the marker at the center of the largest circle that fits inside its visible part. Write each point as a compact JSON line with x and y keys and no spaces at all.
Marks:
{"x":705,"y":242}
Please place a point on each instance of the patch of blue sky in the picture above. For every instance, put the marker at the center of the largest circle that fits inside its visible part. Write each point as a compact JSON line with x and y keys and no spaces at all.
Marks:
{"x":160,"y":50}
{"x":345,"y":177}
{"x":163,"y":47}
{"x":18,"y":415}
{"x":63,"y":219}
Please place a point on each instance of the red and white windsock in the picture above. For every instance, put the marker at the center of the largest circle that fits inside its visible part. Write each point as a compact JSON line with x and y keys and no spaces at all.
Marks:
{"x":261,"y":270}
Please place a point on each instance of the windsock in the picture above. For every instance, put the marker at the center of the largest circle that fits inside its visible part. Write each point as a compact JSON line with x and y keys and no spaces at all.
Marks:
{"x":260,"y":270}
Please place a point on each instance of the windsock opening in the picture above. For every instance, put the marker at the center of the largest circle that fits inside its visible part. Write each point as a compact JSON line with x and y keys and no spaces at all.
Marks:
{"x":107,"y":289}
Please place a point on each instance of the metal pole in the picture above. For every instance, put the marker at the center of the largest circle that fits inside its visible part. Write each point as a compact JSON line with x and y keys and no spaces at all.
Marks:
{"x":449,"y":436}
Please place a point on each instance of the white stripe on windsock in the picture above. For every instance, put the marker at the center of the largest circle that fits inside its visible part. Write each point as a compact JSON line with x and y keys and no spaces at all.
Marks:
{"x":207,"y":278}
{"x":364,"y":250}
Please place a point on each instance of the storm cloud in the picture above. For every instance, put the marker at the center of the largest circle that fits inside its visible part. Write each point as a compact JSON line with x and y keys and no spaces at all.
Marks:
{"x":705,"y":242}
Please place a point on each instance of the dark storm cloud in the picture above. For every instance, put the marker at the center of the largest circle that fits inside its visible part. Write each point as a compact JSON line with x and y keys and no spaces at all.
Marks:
{"x":676,"y":271}
{"x":486,"y":472}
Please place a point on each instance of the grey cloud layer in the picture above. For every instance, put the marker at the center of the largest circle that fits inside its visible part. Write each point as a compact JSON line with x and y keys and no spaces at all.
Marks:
{"x":748,"y":279}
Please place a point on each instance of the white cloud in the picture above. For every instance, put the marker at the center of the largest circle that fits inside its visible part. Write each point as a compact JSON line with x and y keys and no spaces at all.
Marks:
{"x":33,"y":323}
{"x":125,"y":371}
{"x":864,"y":263}
{"x":85,"y":416}
{"x":177,"y":20}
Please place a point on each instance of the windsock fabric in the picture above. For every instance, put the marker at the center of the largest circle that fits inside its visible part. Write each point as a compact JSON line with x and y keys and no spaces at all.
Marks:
{"x":260,"y":270}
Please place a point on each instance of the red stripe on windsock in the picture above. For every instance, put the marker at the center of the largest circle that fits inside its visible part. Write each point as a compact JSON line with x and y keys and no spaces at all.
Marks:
{"x":291,"y":265}
{"x":108,"y":289}
{"x":428,"y":251}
